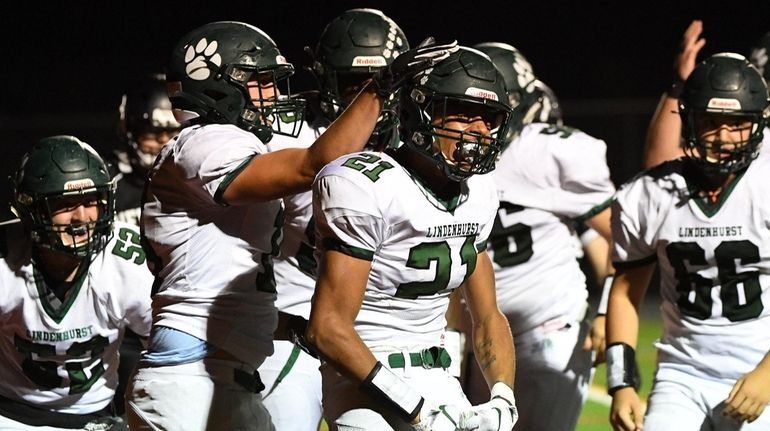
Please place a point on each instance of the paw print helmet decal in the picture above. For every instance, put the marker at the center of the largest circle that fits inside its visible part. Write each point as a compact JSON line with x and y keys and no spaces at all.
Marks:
{"x":212,"y":69}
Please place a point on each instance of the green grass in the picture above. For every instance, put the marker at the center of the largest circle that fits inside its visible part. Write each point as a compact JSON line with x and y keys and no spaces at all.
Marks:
{"x":595,"y":415}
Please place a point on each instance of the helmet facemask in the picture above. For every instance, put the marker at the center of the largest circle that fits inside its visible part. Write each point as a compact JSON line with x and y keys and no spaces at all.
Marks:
{"x":445,"y":117}
{"x":64,"y":196}
{"x":270,"y":110}
{"x":141,"y":159}
{"x":80,"y":239}
{"x":704,"y":145}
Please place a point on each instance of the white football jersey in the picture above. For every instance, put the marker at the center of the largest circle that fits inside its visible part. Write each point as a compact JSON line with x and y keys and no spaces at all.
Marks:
{"x":63,"y":356}
{"x":547,"y":179}
{"x":295,"y":267}
{"x":714,"y":262}
{"x":214,"y":261}
{"x":368,"y":206}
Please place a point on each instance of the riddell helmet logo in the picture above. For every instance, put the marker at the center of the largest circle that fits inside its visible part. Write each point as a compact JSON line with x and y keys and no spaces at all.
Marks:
{"x":369,"y":60}
{"x":719,"y":103}
{"x":481,"y":93}
{"x":197,"y":59}
{"x":79,"y":184}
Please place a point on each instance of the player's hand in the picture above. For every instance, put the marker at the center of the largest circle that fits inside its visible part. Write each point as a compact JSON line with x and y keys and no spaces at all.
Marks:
{"x":293,"y":328}
{"x":749,"y":396}
{"x":595,"y":340}
{"x":411,"y":63}
{"x":626,"y":412}
{"x":438,"y":418}
{"x":499,"y":413}
{"x":688,"y":50}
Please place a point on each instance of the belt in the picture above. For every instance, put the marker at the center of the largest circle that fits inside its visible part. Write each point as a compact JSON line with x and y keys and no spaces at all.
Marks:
{"x":434,"y":357}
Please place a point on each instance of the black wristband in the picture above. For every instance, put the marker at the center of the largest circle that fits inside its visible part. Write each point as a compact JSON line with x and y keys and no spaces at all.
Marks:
{"x":675,"y":90}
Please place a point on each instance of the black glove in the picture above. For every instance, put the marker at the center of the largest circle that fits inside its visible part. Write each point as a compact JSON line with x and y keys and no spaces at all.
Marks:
{"x":296,"y":327}
{"x":409,"y":64}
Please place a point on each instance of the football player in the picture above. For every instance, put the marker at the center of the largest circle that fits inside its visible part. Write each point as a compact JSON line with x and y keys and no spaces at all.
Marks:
{"x":703,"y":219}
{"x":399,"y":231}
{"x":212,"y":221}
{"x":352,"y":47}
{"x":146,"y":124}
{"x":549,"y":178}
{"x":73,"y":281}
{"x":664,"y":133}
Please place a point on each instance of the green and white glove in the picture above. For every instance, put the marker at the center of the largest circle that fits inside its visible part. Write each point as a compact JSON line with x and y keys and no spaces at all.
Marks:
{"x":498,"y":414}
{"x":439,"y":418}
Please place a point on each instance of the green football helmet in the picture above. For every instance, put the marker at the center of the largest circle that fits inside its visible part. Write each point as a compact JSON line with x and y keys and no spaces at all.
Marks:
{"x":63,"y":167}
{"x":209,"y":73}
{"x":465,"y":79}
{"x":520,"y":83}
{"x":352,"y":47}
{"x":727,"y":85}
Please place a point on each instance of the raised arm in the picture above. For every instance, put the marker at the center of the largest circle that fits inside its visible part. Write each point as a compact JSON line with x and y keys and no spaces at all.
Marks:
{"x":289,"y":171}
{"x":665,"y":129}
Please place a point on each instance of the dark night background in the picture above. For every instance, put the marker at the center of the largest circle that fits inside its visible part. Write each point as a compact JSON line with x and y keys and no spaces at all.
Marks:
{"x":64,"y":63}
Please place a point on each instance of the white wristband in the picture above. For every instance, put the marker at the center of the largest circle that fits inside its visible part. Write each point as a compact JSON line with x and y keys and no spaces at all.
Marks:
{"x":383,"y":381}
{"x":621,"y":367}
{"x":454,"y":343}
{"x":601,"y":309}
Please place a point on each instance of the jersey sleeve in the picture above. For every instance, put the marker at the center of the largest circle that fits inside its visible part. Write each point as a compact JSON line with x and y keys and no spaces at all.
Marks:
{"x":556,"y":169}
{"x":586,"y":187}
{"x":633,"y":225}
{"x":138,"y":309}
{"x":348,"y":218}
{"x":215,"y":157}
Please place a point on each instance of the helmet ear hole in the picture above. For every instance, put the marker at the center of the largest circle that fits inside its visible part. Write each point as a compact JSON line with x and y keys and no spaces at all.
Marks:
{"x":418,"y":96}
